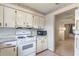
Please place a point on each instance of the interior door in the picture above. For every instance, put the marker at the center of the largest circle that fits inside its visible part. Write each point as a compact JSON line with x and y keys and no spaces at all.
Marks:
{"x":9,"y":17}
{"x":1,"y":16}
{"x":12,"y":51}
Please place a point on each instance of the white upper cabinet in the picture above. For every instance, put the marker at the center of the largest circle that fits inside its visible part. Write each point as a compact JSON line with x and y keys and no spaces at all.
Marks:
{"x":41,"y":23}
{"x":9,"y":17}
{"x":36,"y":22}
{"x":24,"y":19}
{"x":77,"y":14}
{"x":29,"y":20}
{"x":1,"y":16}
{"x":20,"y":19}
{"x":77,"y":19}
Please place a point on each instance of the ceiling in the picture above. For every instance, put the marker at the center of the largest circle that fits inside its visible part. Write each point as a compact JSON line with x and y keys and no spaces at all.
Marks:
{"x":70,"y":14}
{"x":43,"y":8}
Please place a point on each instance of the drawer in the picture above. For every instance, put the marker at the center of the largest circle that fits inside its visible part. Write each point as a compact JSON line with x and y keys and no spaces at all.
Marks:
{"x":7,"y":44}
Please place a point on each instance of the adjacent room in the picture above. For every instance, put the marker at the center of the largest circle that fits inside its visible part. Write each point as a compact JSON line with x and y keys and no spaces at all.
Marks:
{"x":64,"y":36}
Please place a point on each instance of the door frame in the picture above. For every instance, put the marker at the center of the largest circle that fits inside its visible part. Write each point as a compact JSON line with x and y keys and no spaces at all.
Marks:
{"x":73,"y":6}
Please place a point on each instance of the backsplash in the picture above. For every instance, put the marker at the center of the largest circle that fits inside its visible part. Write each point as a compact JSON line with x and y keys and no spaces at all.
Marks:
{"x":7,"y":32}
{"x":11,"y":32}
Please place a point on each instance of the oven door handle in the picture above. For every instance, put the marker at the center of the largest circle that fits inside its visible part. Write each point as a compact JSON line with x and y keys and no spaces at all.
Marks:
{"x":21,"y":37}
{"x":30,"y":36}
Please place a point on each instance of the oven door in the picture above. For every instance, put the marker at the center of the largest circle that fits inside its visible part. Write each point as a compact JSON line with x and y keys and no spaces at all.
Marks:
{"x":27,"y":49}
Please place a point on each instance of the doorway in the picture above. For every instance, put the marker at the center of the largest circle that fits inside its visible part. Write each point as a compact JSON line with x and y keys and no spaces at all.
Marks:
{"x":64,"y":36}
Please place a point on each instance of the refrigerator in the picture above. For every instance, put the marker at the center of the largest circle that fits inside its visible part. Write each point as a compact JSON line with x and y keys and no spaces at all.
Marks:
{"x":76,"y":32}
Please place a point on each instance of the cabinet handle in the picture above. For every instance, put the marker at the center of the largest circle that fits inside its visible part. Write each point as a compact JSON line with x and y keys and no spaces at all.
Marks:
{"x":0,"y":24}
{"x":5,"y":24}
{"x":14,"y":49}
{"x":76,"y":42}
{"x":15,"y":11}
{"x":24,"y":22}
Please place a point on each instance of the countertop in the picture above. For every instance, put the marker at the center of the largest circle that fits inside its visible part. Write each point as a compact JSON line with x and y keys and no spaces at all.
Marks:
{"x":7,"y":40}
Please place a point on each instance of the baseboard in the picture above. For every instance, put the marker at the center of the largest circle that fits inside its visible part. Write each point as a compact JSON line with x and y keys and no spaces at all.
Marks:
{"x":41,"y":51}
{"x":51,"y":50}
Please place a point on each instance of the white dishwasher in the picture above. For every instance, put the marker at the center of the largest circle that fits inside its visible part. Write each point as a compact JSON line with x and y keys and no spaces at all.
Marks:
{"x":8,"y":48}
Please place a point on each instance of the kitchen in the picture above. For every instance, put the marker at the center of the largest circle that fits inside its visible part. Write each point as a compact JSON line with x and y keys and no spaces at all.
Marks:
{"x":26,"y":32}
{"x":19,"y":30}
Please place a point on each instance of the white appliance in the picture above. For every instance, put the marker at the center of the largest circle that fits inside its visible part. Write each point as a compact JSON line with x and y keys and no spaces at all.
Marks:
{"x":26,"y":43}
{"x":76,"y":48}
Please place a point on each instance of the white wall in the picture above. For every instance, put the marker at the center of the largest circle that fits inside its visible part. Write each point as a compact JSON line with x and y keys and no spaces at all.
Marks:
{"x":50,"y":31}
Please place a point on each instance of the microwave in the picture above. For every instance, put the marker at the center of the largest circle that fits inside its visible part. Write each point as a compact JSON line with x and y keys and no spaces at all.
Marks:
{"x":41,"y":33}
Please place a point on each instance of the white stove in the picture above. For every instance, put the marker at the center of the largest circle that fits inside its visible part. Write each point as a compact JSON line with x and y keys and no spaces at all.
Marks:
{"x":26,"y":43}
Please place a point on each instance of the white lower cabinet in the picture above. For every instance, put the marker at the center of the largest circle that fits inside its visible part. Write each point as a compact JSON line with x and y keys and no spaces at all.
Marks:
{"x":12,"y":51}
{"x":41,"y":44}
{"x":44,"y":43}
{"x":76,"y":45}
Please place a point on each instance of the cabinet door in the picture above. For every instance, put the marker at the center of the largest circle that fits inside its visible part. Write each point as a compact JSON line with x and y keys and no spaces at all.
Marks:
{"x":44,"y":43}
{"x":76,"y":45}
{"x":77,"y":19}
{"x":77,"y":14}
{"x":1,"y":16}
{"x":29,"y":20}
{"x":42,"y":22}
{"x":9,"y":17}
{"x":36,"y":22}
{"x":8,"y":51}
{"x":20,"y":19}
{"x":77,"y":31}
{"x":39,"y":45}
